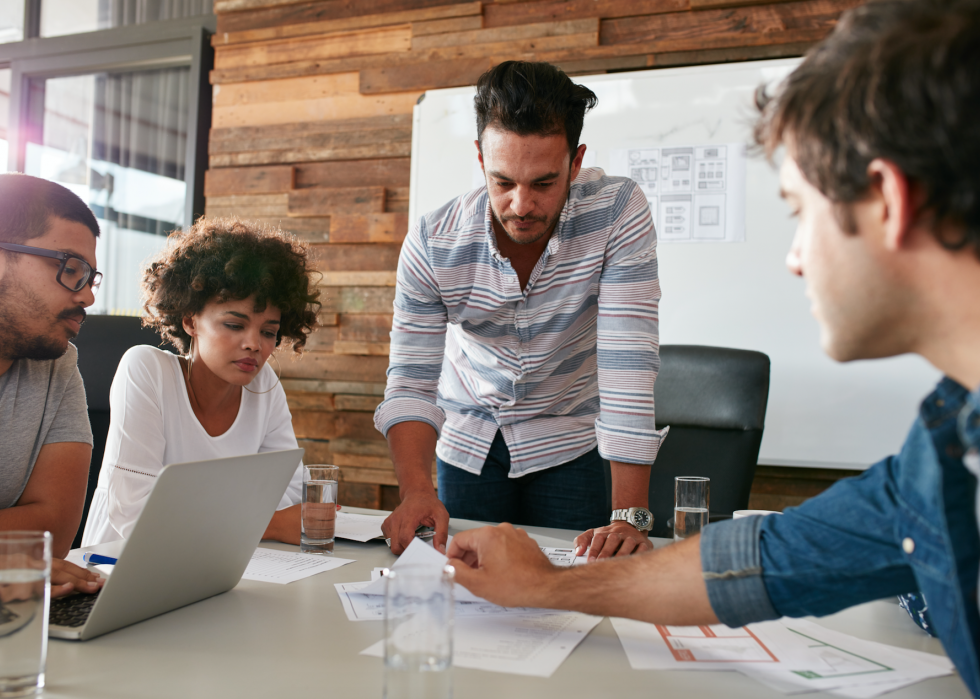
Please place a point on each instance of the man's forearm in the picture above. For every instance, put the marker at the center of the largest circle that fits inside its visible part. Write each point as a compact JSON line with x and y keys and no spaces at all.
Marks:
{"x":630,"y":485}
{"x":663,"y":586}
{"x":412,"y":446}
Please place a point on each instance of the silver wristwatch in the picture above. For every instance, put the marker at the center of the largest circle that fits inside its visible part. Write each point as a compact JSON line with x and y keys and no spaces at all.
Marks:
{"x":639,"y":517}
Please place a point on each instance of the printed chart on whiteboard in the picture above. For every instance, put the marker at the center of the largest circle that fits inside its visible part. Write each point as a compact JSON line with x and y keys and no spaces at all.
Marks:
{"x":696,"y":193}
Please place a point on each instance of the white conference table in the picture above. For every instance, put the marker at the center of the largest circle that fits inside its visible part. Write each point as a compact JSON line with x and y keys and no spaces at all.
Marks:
{"x":267,"y":640}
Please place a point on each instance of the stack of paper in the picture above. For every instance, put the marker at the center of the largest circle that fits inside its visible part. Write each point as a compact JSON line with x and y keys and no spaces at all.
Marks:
{"x":790,"y":655}
{"x":522,"y":641}
{"x":272,"y":565}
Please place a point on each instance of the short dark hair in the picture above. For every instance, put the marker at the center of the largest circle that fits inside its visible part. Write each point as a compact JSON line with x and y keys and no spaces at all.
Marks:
{"x":532,"y":99}
{"x":225,"y":259}
{"x":899,"y":80}
{"x":27,"y":205}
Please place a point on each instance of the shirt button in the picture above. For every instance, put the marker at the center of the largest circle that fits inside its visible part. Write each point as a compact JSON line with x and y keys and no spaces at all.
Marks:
{"x":908,"y":545}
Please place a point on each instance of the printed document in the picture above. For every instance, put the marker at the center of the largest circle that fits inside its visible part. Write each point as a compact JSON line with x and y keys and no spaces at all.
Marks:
{"x":533,"y":644}
{"x":282,"y":567}
{"x":790,"y":655}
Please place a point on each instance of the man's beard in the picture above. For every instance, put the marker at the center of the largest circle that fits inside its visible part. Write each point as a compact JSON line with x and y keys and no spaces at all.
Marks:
{"x":551,"y":222}
{"x":18,"y":307}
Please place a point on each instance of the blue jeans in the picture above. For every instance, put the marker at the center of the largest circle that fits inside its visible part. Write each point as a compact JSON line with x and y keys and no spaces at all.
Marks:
{"x":573,"y":495}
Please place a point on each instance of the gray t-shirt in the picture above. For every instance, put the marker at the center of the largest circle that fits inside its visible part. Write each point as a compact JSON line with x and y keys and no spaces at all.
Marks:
{"x":41,"y":402}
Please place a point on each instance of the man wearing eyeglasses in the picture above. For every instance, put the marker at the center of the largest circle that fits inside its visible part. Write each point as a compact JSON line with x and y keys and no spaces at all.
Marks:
{"x":47,"y":280}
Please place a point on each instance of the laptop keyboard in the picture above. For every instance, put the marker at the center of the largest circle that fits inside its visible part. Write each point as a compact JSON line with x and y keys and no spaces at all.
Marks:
{"x":73,"y":610}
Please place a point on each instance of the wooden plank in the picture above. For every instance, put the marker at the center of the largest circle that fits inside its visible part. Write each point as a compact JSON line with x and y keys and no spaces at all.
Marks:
{"x":444,"y":26}
{"x":362,"y":348}
{"x":746,"y":53}
{"x":781,"y":23}
{"x":301,"y":155}
{"x":339,"y":25}
{"x":292,"y":134}
{"x":355,"y":387}
{"x":222,"y":6}
{"x":356,"y":425}
{"x":316,"y":451}
{"x":357,"y":299}
{"x":302,"y":400}
{"x":464,"y":67}
{"x":509,"y":34}
{"x":343,"y":257}
{"x":365,"y":327}
{"x":387,"y":172}
{"x":288,"y":89}
{"x":592,"y":66}
{"x":252,"y":180}
{"x":396,"y":200}
{"x":248,"y":206}
{"x":363,"y":42}
{"x":311,"y":424}
{"x":369,"y":495}
{"x":323,"y":201}
{"x":319,"y":12}
{"x":327,"y":319}
{"x":309,"y":230}
{"x":713,"y":4}
{"x":374,"y":447}
{"x":382,"y":463}
{"x":358,"y":279}
{"x":357,"y":403}
{"x":369,"y":228}
{"x":498,"y":15}
{"x":322,"y":339}
{"x":327,"y":108}
{"x":367,"y":475}
{"x":325,"y":366}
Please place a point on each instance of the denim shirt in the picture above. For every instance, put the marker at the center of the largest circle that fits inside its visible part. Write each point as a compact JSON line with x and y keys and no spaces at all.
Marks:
{"x":908,"y":523}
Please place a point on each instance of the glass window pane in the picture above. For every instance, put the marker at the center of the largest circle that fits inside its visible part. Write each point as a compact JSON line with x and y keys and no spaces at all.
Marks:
{"x":118,"y":141}
{"x":4,"y":115}
{"x":11,"y":21}
{"x":60,"y":17}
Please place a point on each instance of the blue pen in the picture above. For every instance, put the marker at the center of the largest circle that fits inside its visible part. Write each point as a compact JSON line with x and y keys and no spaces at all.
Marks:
{"x":95,"y":559}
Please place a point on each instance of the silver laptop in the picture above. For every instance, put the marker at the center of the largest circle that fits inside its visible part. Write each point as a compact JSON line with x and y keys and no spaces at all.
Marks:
{"x":202,"y":518}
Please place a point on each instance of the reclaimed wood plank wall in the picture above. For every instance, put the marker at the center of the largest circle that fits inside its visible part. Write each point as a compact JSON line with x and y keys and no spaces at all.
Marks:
{"x":312,"y":131}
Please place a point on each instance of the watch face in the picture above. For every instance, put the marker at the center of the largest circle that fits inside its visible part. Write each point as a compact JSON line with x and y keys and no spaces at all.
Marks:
{"x":641,"y":519}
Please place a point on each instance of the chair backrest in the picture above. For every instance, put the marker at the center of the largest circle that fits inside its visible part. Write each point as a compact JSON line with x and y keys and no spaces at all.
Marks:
{"x":101,"y":343}
{"x":714,"y":400}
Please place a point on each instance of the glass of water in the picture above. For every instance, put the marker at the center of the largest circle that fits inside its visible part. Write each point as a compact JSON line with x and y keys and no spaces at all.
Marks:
{"x":25,"y":591}
{"x":419,"y":633}
{"x":691,"y":497}
{"x":319,"y":508}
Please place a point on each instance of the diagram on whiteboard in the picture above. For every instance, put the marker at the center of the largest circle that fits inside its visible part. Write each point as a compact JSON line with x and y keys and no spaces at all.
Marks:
{"x":696,"y":193}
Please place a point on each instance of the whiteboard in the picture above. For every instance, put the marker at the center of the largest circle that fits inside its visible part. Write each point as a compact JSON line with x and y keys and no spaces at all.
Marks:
{"x":820,"y":413}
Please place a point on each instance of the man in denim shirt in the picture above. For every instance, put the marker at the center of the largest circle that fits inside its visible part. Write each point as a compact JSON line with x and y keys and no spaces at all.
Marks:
{"x":882,"y":170}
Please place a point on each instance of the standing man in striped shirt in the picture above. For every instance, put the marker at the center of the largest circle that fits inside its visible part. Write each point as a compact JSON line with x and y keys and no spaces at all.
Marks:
{"x":524,"y":346}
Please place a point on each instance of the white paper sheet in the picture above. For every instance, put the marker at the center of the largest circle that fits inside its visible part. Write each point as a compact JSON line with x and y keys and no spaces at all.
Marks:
{"x":791,"y":655}
{"x":421,"y":554}
{"x":357,"y":527}
{"x":361,"y":607}
{"x":564,"y":558}
{"x":696,"y":192}
{"x":533,"y":644}
{"x":282,"y":567}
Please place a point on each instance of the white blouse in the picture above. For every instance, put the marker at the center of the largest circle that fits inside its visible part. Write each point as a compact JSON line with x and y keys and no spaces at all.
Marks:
{"x":153,"y":425}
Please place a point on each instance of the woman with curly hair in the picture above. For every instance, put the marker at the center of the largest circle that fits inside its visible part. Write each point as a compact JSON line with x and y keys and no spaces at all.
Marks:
{"x":226,"y":293}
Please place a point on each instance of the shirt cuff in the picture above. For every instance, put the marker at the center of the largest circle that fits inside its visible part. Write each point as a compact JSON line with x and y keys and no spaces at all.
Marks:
{"x":395,"y":410}
{"x":628,"y":445}
{"x":732,"y":571}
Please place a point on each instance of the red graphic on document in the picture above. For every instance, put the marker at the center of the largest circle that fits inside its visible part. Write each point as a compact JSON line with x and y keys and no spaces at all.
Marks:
{"x":715,"y":644}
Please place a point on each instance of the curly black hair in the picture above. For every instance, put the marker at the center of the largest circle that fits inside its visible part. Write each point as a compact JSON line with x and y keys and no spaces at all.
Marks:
{"x":228,"y":258}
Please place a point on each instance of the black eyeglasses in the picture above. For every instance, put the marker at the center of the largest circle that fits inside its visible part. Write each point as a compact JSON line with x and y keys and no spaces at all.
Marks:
{"x":74,"y":272}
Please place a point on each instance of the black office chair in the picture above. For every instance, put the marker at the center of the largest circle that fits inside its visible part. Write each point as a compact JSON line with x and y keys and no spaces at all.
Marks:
{"x":101,"y":343}
{"x":714,"y":400}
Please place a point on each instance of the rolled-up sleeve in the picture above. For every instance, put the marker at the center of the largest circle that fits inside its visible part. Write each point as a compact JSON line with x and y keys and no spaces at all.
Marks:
{"x":731,"y":564}
{"x":418,"y":340}
{"x":628,"y":335}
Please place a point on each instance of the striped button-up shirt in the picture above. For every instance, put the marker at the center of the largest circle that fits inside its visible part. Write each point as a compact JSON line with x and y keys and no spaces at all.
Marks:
{"x":565,"y":363}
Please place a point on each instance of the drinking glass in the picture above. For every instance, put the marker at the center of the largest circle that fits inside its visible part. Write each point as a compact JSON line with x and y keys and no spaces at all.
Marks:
{"x":25,"y":592}
{"x":419,"y":632}
{"x":319,"y":508}
{"x":690,"y":505}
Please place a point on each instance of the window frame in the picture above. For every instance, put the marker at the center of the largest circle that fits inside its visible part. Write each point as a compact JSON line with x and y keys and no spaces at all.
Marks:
{"x":152,"y":46}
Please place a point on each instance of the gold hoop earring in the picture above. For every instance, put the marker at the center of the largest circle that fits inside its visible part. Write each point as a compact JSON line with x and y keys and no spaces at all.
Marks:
{"x":278,"y":378}
{"x":190,"y":359}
